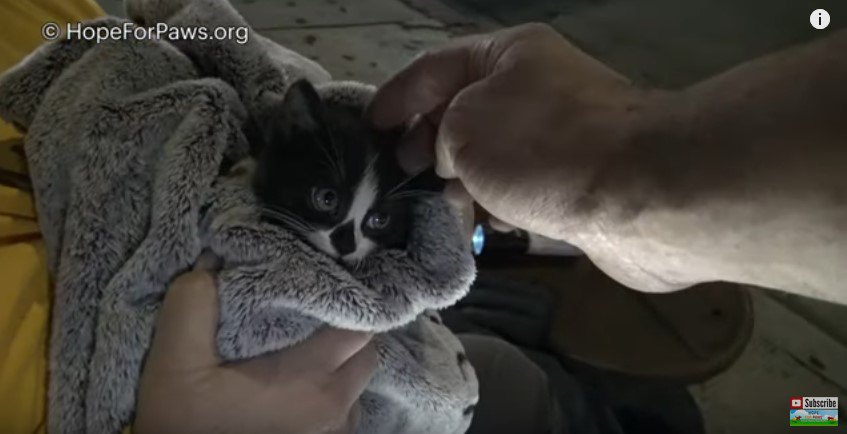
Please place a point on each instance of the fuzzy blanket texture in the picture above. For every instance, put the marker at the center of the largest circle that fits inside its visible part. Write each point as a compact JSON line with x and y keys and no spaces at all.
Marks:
{"x":125,"y":141}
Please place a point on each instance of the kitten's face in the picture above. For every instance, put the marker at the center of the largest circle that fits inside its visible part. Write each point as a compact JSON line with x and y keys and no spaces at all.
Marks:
{"x":326,"y":174}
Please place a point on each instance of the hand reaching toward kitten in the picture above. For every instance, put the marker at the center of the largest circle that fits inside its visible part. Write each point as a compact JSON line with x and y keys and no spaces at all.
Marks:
{"x":736,"y":178}
{"x":522,"y":121}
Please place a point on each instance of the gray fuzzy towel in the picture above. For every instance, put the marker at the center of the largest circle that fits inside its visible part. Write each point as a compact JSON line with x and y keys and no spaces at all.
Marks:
{"x":125,"y":143}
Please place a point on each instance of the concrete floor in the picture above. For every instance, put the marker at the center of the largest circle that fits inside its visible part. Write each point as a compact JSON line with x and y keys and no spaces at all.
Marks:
{"x":364,"y":40}
{"x":799,"y":346}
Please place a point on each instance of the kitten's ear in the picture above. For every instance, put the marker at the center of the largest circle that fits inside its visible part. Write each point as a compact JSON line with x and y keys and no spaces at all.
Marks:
{"x":302,"y":106}
{"x":301,"y":111}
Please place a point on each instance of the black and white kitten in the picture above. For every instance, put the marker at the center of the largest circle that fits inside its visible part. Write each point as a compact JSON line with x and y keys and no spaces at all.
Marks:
{"x":322,"y":171}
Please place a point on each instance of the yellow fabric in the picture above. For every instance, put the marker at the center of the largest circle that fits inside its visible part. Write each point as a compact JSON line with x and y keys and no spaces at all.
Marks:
{"x":24,"y":286}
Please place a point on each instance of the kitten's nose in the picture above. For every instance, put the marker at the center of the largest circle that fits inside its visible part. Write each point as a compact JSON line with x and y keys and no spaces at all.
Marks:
{"x":343,"y":238}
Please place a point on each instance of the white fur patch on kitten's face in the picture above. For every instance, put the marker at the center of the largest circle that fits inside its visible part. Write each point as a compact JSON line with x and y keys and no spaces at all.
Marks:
{"x":364,"y":198}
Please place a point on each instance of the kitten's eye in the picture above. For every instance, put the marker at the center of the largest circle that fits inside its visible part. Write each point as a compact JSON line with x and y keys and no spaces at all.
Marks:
{"x":377,"y":220}
{"x":324,"y":199}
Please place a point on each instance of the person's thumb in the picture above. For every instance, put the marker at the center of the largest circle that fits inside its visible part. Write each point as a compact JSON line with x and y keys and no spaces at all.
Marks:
{"x":429,"y":81}
{"x":458,"y":197}
{"x":186,"y":327}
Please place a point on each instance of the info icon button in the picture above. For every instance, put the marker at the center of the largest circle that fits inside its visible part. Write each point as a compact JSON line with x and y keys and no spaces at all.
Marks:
{"x":819,"y":19}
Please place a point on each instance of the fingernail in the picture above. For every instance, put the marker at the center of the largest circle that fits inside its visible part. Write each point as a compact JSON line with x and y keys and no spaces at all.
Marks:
{"x":461,"y":201}
{"x":499,"y":225}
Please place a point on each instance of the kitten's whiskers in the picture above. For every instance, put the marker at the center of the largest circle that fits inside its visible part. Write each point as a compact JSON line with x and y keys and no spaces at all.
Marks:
{"x":287,"y":217}
{"x":412,"y":194}
{"x":391,"y":193}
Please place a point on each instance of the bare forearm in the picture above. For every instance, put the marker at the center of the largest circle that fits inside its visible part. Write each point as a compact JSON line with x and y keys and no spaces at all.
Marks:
{"x":742,"y":177}
{"x":739,"y":178}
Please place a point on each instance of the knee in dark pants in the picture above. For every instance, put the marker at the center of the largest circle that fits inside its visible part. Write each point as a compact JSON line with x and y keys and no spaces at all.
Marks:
{"x":514,"y":394}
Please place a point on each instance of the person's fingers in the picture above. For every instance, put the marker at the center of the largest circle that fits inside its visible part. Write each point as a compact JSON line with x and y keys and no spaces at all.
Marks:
{"x":184,"y":337}
{"x":458,"y":197}
{"x":448,"y":142}
{"x":432,"y":79}
{"x":328,"y":348}
{"x":353,"y":376}
{"x":416,"y":150}
{"x":466,"y":122}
